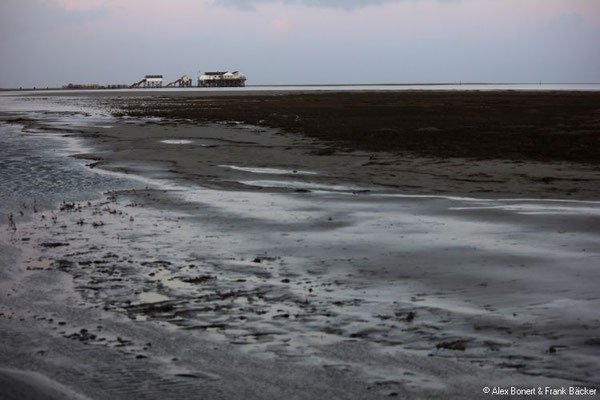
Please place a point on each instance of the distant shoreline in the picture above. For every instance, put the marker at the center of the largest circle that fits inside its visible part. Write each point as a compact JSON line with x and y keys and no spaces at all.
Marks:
{"x":312,"y":85}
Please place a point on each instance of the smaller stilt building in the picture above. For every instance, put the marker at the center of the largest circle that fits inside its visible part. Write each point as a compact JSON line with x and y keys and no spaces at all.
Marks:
{"x":184,"y":81}
{"x":149,"y":81}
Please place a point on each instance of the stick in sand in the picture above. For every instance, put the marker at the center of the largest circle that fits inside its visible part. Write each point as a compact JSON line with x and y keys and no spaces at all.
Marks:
{"x":11,"y":222}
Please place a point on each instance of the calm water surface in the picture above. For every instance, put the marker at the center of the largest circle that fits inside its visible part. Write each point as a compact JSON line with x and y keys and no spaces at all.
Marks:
{"x":33,"y":162}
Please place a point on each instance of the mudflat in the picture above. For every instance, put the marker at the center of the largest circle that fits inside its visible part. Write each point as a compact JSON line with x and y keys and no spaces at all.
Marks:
{"x":265,"y":246}
{"x":509,"y":125}
{"x":540,"y":144}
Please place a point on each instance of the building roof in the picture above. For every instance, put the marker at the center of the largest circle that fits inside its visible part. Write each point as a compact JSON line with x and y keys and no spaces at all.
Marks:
{"x":154,"y":76}
{"x":215,"y":73}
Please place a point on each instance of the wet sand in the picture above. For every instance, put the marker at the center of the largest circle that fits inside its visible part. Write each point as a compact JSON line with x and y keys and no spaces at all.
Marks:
{"x":248,"y":261}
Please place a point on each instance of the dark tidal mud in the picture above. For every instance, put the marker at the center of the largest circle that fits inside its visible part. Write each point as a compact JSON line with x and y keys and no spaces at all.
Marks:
{"x":511,"y":125}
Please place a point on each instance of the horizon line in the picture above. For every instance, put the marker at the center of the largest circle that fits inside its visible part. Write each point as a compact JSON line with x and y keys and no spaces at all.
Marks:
{"x":459,"y":83}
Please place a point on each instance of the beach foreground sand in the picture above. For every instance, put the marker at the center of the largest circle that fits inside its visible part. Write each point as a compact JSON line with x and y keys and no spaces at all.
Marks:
{"x":306,"y":246}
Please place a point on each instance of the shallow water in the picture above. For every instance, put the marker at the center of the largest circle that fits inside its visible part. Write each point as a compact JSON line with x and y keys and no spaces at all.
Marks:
{"x":34,"y":167}
{"x":176,"y":141}
{"x":270,"y":171}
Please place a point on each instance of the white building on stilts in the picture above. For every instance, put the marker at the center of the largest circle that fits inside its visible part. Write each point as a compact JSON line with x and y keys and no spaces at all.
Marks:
{"x":222,"y":79}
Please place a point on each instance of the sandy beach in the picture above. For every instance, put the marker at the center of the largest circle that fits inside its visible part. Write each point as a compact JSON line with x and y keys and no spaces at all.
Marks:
{"x":331,"y":245}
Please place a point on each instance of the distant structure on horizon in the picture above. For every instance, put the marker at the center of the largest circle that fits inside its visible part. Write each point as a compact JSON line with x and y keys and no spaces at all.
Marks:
{"x":222,"y":79}
{"x":184,"y":81}
{"x":89,"y":86}
{"x":208,"y":79}
{"x":149,"y":81}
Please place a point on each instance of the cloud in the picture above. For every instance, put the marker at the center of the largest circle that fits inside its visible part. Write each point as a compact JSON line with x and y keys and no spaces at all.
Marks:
{"x":342,"y":4}
{"x":27,"y":17}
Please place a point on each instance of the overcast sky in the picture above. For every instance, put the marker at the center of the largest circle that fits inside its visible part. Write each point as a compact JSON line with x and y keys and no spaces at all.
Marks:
{"x":54,"y":42}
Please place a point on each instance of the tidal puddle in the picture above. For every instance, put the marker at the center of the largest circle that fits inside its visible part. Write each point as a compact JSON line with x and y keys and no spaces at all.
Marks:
{"x":302,"y":185}
{"x":272,"y":171}
{"x":151,"y":297}
{"x":538,"y":209}
{"x":176,"y":141}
